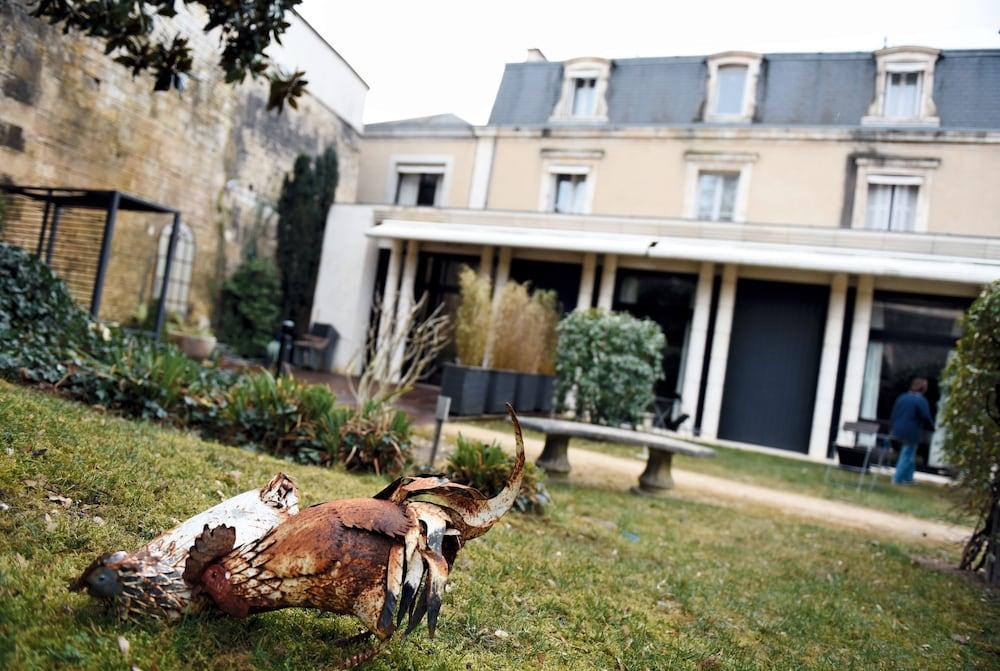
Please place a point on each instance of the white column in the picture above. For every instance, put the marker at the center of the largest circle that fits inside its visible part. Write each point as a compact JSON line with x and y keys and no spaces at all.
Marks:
{"x":587,"y":276}
{"x":826,"y":383}
{"x":606,"y":296}
{"x":482,"y":167}
{"x":695,"y":357}
{"x":857,"y":353}
{"x":389,"y":292}
{"x":720,"y":353}
{"x":486,"y":261}
{"x":405,"y":303}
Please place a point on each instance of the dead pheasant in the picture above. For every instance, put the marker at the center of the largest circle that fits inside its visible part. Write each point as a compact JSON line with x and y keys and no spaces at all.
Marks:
{"x":362,"y":557}
{"x":149,"y":581}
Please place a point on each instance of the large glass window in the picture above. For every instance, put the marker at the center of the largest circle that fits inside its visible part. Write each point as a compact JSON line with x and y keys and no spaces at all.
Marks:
{"x":730,"y":89}
{"x":669,"y":301}
{"x":418,"y":188}
{"x":910,"y":337}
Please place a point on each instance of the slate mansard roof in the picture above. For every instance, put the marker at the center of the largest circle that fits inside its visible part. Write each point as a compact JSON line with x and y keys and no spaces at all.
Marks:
{"x":819,"y":89}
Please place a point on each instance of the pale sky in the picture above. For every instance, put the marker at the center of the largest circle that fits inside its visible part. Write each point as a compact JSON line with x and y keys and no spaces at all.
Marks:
{"x":435,"y":56}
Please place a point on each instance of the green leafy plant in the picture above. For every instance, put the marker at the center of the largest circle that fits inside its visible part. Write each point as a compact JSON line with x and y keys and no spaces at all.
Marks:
{"x":486,"y":468}
{"x":306,"y":197}
{"x":472,"y":320}
{"x":375,"y":438}
{"x":131,"y":32}
{"x":971,"y":419}
{"x":610,"y":362}
{"x":248,"y":312}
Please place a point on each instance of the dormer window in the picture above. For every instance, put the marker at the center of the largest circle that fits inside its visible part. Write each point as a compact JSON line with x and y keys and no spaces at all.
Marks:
{"x":585,"y":85}
{"x":904,"y":87}
{"x":584,"y":98}
{"x":732,"y":86}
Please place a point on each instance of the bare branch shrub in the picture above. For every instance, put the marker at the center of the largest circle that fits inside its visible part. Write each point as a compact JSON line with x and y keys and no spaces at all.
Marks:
{"x":387,"y":376}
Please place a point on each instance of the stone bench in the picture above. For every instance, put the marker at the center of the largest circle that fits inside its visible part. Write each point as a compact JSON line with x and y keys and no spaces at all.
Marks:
{"x":656,"y":479}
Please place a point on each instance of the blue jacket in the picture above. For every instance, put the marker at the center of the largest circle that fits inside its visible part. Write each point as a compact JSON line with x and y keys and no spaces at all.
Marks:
{"x":910,"y":416}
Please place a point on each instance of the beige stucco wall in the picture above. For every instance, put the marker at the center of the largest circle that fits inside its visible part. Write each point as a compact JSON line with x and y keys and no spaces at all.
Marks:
{"x":377,"y":184}
{"x":800,"y":181}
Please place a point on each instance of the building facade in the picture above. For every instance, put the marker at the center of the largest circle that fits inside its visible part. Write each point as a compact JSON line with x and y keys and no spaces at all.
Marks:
{"x":72,"y":117}
{"x":806,"y":228}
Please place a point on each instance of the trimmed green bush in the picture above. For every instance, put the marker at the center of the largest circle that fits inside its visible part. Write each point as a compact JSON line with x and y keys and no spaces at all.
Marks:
{"x":970,"y":385}
{"x":486,"y":468}
{"x":249,"y":313}
{"x":610,"y":363}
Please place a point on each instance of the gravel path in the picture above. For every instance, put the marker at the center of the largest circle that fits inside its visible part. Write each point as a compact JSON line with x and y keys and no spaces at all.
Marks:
{"x":596,"y":468}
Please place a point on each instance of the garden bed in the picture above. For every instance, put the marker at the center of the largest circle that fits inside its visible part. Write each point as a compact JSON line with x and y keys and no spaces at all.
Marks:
{"x":606,"y":580}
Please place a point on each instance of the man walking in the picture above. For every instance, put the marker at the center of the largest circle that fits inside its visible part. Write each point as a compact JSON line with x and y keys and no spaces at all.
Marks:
{"x":910,"y":416}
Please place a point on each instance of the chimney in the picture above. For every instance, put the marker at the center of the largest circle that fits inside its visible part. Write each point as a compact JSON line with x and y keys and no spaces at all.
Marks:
{"x":535,"y":55}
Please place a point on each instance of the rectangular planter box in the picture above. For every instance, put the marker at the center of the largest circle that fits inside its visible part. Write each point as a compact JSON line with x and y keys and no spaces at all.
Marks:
{"x":467,"y":386}
{"x":502,"y":389}
{"x":526,"y":398}
{"x":546,"y":391}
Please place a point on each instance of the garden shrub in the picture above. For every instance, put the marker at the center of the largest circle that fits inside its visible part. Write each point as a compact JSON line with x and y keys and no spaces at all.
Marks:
{"x":610,"y":361}
{"x":375,"y":438}
{"x":472,"y":321}
{"x":512,"y":343}
{"x":486,"y":468}
{"x":970,"y":386}
{"x":46,"y":338}
{"x":248,"y":312}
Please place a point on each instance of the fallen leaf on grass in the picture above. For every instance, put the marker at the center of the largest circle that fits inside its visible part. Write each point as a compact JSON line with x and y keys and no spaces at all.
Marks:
{"x":99,"y":521}
{"x":960,"y":638}
{"x":50,"y":524}
{"x":64,"y":501}
{"x":500,"y":633}
{"x":123,"y":645}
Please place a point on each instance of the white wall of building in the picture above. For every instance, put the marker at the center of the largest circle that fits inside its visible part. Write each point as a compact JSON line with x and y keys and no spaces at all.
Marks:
{"x":331,"y":79}
{"x":344,"y":284}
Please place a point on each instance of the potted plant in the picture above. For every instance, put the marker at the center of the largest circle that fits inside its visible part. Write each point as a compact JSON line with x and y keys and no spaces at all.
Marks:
{"x":193,"y":335}
{"x":466,"y":381}
{"x":511,"y":350}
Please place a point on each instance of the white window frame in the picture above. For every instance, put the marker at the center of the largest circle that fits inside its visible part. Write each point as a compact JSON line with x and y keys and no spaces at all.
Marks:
{"x":568,"y":162}
{"x":439,"y":164}
{"x":699,"y":162}
{"x":598,"y":69}
{"x":896,"y":171}
{"x":749,"y":60}
{"x":903,"y":60}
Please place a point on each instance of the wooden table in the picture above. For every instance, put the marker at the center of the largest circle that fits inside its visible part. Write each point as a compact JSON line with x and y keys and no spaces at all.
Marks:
{"x":656,"y":479}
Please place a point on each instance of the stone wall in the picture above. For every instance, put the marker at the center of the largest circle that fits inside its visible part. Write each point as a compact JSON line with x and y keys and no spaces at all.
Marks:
{"x":71,"y":116}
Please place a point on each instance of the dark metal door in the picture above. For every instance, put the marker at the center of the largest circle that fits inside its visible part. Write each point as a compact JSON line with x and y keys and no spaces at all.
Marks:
{"x":773,"y":364}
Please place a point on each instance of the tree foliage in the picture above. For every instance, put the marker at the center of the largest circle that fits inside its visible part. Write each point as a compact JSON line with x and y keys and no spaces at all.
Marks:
{"x":610,"y":362}
{"x":248,"y":312}
{"x":129,"y":30}
{"x":970,"y":387}
{"x":306,"y":197}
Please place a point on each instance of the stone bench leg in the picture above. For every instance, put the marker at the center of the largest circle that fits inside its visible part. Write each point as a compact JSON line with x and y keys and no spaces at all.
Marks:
{"x":554,"y":459}
{"x":656,"y":479}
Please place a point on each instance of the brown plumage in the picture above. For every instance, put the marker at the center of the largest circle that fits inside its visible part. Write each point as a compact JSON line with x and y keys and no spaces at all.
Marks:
{"x":148,"y":581}
{"x":362,"y":557}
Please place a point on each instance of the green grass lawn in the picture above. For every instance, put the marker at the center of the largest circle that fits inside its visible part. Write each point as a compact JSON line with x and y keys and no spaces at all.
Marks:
{"x":606,"y":581}
{"x":926,"y":500}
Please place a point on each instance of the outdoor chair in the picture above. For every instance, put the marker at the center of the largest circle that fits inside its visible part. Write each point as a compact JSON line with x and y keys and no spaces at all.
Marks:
{"x":315,"y":350}
{"x":858,"y":459}
{"x":666,"y":412}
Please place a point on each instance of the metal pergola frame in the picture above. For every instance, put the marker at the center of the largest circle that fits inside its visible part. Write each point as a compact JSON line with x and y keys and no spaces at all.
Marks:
{"x":111,"y":202}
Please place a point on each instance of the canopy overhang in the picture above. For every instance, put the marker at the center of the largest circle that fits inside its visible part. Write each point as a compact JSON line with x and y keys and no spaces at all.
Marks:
{"x":880,"y":263}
